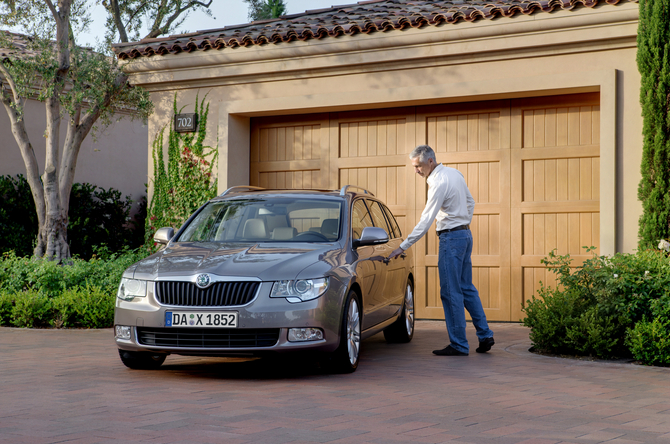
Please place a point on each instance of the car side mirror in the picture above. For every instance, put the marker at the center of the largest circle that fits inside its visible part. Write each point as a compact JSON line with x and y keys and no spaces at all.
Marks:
{"x":163,"y":235}
{"x":371,"y":236}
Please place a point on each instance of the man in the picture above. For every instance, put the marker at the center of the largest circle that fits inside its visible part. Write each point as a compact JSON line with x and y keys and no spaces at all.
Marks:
{"x":451,"y":205}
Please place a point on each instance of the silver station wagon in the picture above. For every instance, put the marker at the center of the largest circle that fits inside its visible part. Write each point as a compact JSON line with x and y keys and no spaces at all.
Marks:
{"x":256,"y":272}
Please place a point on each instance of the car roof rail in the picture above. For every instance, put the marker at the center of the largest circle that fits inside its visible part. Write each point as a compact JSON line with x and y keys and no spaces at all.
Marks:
{"x":238,"y":188}
{"x":345,"y":188}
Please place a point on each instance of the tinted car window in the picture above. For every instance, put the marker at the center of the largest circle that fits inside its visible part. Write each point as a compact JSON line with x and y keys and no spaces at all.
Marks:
{"x":266,"y":220}
{"x":360,"y":219}
{"x":378,"y":216}
{"x":392,"y":222}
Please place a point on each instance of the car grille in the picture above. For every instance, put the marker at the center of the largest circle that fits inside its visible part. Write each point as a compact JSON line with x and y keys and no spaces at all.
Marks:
{"x":208,"y":337}
{"x":219,"y":294}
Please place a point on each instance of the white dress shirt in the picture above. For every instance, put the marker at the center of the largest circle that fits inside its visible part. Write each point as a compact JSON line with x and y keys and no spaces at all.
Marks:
{"x":449,"y":203}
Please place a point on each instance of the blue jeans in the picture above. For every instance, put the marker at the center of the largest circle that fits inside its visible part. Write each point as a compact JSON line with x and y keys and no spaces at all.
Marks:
{"x":457,"y":290}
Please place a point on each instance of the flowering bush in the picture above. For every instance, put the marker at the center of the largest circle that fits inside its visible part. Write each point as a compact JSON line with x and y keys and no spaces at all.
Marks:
{"x":599,"y":304}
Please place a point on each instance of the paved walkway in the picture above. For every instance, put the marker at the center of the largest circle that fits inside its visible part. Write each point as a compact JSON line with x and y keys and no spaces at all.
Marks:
{"x":68,"y":386}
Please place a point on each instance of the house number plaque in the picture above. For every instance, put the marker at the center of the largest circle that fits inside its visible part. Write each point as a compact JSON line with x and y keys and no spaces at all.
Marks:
{"x":185,"y":123}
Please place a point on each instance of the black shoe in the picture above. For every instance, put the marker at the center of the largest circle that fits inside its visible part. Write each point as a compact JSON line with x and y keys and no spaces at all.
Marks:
{"x":448,"y":351}
{"x":485,"y":345}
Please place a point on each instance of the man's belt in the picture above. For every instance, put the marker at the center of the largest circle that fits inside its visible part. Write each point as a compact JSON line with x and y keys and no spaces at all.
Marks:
{"x":461,"y":227}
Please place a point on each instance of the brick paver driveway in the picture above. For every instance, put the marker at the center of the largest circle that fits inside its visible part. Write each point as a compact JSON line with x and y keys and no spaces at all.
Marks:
{"x":60,"y":386}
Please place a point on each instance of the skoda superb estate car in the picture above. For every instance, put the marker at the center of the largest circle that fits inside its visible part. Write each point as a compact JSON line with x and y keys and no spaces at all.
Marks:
{"x":256,"y":272}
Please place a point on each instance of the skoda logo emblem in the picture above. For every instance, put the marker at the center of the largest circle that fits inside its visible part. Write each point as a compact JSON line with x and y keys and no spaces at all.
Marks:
{"x":202,"y":280}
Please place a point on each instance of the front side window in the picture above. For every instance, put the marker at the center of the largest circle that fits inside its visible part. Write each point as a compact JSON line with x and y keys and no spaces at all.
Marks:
{"x":270,"y":219}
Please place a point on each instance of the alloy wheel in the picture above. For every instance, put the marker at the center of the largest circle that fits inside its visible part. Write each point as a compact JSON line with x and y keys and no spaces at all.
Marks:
{"x":409,"y":310}
{"x":353,"y":332}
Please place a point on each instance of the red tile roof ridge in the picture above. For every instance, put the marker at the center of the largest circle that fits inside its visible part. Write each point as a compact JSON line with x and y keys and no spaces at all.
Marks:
{"x":364,"y":17}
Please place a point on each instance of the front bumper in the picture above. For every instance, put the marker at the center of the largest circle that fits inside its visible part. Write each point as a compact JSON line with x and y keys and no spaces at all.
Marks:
{"x":263,"y":325}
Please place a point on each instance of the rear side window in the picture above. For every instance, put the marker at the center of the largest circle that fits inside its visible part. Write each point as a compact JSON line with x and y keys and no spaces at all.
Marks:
{"x":378,"y":217}
{"x":392,"y":222}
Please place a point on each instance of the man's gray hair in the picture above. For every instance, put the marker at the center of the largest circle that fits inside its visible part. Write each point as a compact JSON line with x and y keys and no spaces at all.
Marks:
{"x":423,"y":152}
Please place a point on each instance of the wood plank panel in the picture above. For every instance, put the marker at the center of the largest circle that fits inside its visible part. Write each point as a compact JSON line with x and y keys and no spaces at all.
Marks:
{"x":557,"y":164}
{"x":472,"y":139}
{"x":286,"y":152}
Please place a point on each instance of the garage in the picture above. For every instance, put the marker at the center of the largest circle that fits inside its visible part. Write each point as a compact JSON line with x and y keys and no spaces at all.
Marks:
{"x":536,"y":104}
{"x":532,"y":165}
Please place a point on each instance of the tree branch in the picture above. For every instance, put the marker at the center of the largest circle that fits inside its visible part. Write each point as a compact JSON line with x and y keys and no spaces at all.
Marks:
{"x":137,"y":11}
{"x":157,"y":30}
{"x":18,"y":100}
{"x":116,"y":14}
{"x":53,"y":9}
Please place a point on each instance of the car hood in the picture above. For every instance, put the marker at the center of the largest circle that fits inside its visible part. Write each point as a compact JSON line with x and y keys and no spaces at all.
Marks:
{"x":266,"y":261}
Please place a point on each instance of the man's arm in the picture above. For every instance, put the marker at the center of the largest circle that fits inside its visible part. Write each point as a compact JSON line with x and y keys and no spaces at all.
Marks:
{"x":433,"y":205}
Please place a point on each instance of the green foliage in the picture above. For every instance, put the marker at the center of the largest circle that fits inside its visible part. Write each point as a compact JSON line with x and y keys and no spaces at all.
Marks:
{"x":6,"y":307}
{"x":41,"y":293}
{"x":18,"y":220}
{"x":96,"y":217}
{"x":595,"y":304}
{"x":87,"y":307}
{"x":653,"y":59}
{"x":266,"y":9}
{"x":31,"y":309}
{"x":649,"y":340}
{"x":188,"y":181}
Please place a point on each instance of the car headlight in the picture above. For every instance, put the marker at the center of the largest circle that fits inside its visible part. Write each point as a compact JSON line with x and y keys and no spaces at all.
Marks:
{"x":131,"y":288}
{"x":299,"y":290}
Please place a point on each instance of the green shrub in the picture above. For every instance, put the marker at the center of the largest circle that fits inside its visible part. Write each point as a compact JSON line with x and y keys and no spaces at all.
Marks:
{"x":6,"y":307}
{"x":549,"y":318}
{"x":96,"y":217}
{"x":595,"y":304}
{"x":18,"y":219}
{"x":649,"y":341}
{"x":39,"y":293}
{"x":103,"y":270}
{"x":88,"y":307}
{"x":32,"y":309}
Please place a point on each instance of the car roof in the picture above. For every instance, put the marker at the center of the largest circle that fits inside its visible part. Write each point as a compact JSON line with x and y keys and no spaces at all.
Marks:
{"x":248,"y":191}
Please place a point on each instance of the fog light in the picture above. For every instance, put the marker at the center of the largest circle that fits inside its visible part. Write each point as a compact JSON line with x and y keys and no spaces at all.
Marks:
{"x":305,"y":334}
{"x":122,"y":332}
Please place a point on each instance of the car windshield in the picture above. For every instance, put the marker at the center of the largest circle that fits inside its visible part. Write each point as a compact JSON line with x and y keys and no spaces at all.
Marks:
{"x":272,"y":219}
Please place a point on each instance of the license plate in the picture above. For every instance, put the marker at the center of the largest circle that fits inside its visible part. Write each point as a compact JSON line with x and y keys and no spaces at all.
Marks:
{"x":222,"y":319}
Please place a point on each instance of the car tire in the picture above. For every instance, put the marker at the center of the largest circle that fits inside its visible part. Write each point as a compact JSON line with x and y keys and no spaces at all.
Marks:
{"x":141,"y":360}
{"x":345,"y":358}
{"x":402,"y":330}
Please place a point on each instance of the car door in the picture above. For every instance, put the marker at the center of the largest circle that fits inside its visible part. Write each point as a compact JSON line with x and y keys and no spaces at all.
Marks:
{"x":392,"y":292}
{"x":370,"y":268}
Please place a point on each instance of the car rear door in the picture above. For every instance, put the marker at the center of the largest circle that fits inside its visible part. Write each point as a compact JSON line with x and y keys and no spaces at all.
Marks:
{"x":393,"y":291}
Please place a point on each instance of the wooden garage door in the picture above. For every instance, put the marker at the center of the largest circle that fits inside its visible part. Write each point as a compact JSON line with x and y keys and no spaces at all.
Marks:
{"x":531,"y":165}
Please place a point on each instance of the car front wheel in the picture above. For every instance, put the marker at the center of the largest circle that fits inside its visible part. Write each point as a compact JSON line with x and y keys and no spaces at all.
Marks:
{"x":402,"y":330}
{"x":141,"y":360}
{"x":345,"y":358}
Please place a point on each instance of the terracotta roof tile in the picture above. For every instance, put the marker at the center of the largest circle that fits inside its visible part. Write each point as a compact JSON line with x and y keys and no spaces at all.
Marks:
{"x":364,"y":17}
{"x":18,"y":45}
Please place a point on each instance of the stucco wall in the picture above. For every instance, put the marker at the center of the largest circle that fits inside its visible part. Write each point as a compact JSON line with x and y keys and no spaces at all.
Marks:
{"x":538,"y":55}
{"x":117,"y":159}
